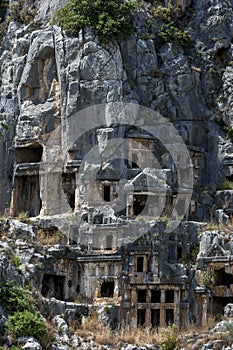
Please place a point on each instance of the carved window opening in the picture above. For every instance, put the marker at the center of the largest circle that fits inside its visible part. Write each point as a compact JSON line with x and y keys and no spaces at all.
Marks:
{"x":179,"y":253}
{"x":135,"y":161}
{"x":155,"y":295}
{"x":169,"y":314}
{"x":109,"y":240}
{"x":223,"y":278}
{"x":140,"y":264}
{"x":107,"y":290}
{"x":53,"y":286}
{"x":155,"y":317}
{"x":169,"y":296}
{"x":141,"y":317}
{"x":69,"y":185}
{"x":218,"y":306}
{"x":107,"y":193}
{"x":141,"y":295}
{"x":139,"y":202}
{"x":30,"y":154}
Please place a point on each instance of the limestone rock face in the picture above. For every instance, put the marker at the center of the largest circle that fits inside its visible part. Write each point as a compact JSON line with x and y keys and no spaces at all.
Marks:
{"x":119,"y":204}
{"x":47,"y":76}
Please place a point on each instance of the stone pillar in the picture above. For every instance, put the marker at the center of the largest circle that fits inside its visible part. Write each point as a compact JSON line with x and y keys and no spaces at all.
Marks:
{"x":177,"y":307}
{"x":162,"y":310}
{"x":133,"y":308}
{"x":148,"y":308}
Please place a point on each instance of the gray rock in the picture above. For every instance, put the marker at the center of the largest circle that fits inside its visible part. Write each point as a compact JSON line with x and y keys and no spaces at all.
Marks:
{"x":21,"y":230}
{"x":29,"y":343}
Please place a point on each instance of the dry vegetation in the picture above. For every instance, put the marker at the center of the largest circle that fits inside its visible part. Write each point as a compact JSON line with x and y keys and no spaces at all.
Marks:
{"x":190,"y":338}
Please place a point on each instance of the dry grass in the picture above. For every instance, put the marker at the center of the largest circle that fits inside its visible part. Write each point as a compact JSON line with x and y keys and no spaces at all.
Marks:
{"x":92,"y":328}
{"x":47,"y":237}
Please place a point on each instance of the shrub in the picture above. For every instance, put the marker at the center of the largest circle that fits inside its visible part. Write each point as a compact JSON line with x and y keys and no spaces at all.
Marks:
{"x":26,"y":323}
{"x":170,"y":341}
{"x":109,"y":19}
{"x":14,"y":298}
{"x":171,"y":28}
{"x":226,"y":185}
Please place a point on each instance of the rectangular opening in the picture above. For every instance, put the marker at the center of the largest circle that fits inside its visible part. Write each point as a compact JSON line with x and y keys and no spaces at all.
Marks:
{"x":30,"y":154}
{"x":53,"y":286}
{"x":141,"y":317}
{"x":139,"y":202}
{"x":169,"y":317}
{"x":27,"y":195}
{"x":155,"y":295}
{"x":140,"y":263}
{"x":141,"y":295}
{"x":155,"y":317}
{"x":109,"y":240}
{"x":135,"y":161}
{"x":169,"y":296}
{"x":179,"y":253}
{"x":107,"y":193}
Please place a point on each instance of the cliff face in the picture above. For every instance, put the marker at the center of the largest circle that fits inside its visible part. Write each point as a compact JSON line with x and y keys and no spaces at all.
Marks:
{"x":87,"y":122}
{"x":47,"y":76}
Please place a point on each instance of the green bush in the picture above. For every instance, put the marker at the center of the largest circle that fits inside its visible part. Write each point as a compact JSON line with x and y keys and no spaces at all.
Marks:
{"x":226,"y":185}
{"x":26,"y":323}
{"x":171,"y":335}
{"x":109,"y":19}
{"x":171,"y":29}
{"x":14,"y":298}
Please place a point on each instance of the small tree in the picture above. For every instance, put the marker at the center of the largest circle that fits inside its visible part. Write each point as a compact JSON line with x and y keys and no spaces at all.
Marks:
{"x":109,"y":19}
{"x":14,"y":298}
{"x":26,"y":323}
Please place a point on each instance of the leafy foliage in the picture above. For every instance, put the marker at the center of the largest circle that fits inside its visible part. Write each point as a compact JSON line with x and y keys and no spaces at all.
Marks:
{"x":14,"y":298}
{"x":226,"y":185}
{"x":170,"y":341}
{"x":26,"y":323}
{"x":171,"y":28}
{"x":109,"y":19}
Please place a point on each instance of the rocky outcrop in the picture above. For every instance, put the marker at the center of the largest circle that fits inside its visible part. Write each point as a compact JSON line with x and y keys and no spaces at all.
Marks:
{"x":114,"y":208}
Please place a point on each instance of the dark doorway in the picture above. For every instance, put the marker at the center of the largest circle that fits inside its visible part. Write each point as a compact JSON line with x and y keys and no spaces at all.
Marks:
{"x":155,"y":317}
{"x":155,"y":295}
{"x":139,"y":203}
{"x":141,"y":317}
{"x":141,"y":295}
{"x":140,"y":263}
{"x":107,"y":290}
{"x":169,"y":317}
{"x":223,"y":278}
{"x":107,"y":193}
{"x":27,"y":195}
{"x":31,"y":154}
{"x":179,"y":253}
{"x":68,"y":183}
{"x":109,"y":240}
{"x":53,"y":286}
{"x":169,"y":297}
{"x":135,"y":161}
{"x":218,"y":306}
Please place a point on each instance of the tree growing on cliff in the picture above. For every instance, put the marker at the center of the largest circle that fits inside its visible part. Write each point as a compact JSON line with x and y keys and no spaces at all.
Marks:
{"x":109,"y":19}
